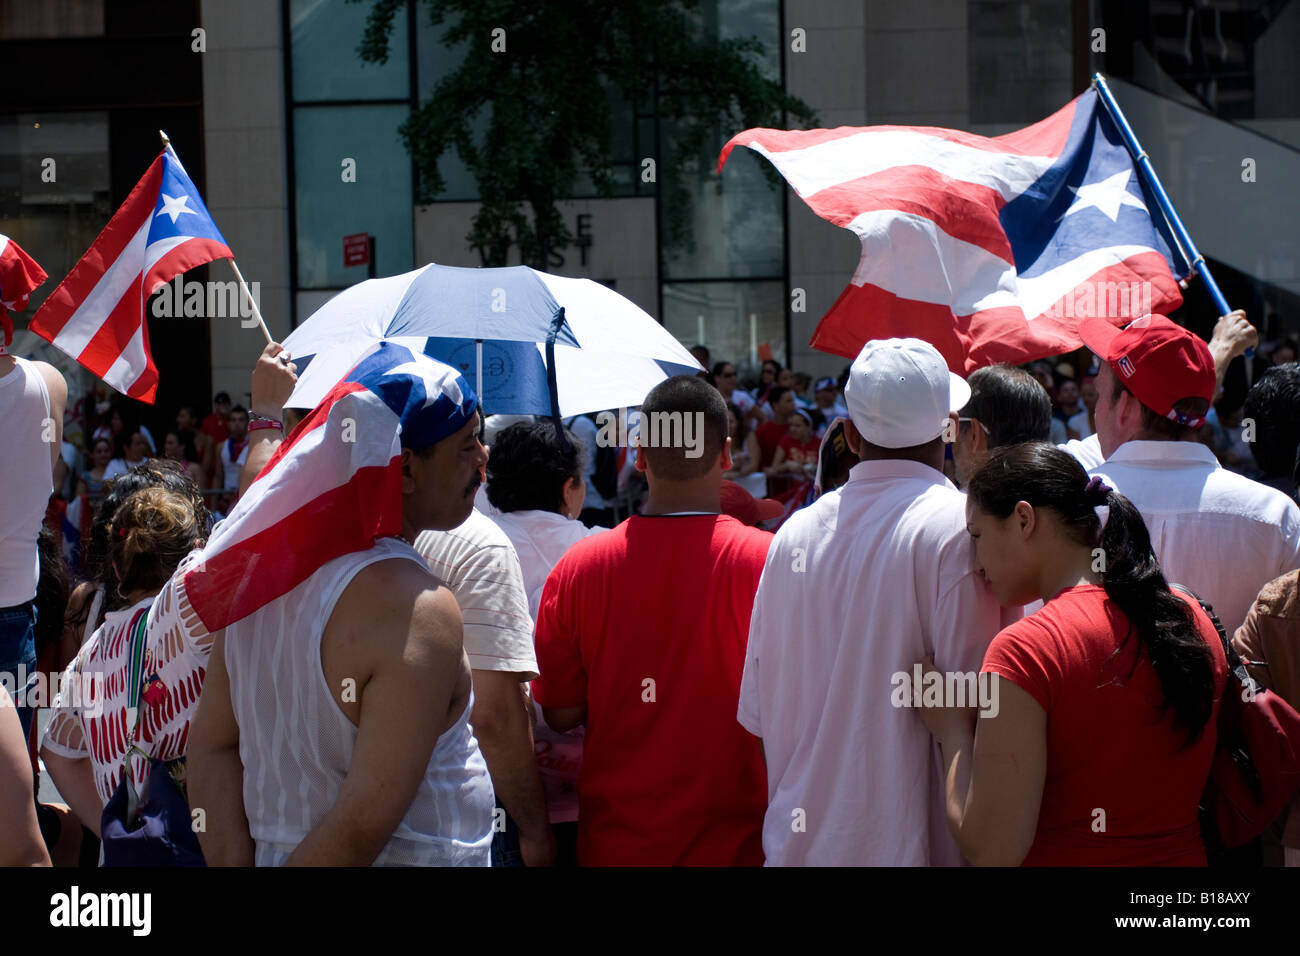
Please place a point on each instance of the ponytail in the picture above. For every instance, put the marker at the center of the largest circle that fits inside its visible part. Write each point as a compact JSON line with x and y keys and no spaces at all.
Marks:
{"x":1164,"y":622}
{"x":1048,"y":477}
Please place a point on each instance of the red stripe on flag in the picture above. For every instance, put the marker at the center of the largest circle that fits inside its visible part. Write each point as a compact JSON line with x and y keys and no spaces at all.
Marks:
{"x":963,"y":210}
{"x":869,"y":312}
{"x":989,"y":336}
{"x":145,"y":388}
{"x":116,"y":331}
{"x":108,"y":245}
{"x":193,"y":252}
{"x":236,"y":582}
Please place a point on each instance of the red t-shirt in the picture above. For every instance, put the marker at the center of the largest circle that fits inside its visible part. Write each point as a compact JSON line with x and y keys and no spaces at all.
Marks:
{"x":647,"y":624}
{"x":213,"y":425}
{"x":805,"y":454}
{"x":769,"y":437}
{"x":1109,"y":746}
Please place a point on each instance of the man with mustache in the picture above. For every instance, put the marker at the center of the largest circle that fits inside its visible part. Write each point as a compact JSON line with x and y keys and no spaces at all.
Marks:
{"x":479,"y":564}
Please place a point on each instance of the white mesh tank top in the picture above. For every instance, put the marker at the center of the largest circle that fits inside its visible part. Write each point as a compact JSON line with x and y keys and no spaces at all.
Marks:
{"x":296,"y":743}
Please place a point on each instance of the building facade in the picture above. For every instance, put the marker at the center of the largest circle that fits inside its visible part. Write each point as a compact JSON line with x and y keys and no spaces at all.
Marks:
{"x":294,"y":142}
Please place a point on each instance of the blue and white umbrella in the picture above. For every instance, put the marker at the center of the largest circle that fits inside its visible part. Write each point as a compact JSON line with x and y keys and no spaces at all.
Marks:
{"x":533,"y":343}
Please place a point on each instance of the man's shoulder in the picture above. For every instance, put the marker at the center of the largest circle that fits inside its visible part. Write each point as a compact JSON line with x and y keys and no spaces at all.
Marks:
{"x":732,"y":533}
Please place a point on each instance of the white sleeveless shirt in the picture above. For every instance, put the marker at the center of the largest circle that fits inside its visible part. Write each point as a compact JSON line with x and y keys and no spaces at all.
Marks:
{"x":296,"y":743}
{"x":26,"y":480}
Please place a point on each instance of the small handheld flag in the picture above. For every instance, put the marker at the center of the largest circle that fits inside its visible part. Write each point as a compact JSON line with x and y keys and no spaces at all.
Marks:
{"x":96,"y":315}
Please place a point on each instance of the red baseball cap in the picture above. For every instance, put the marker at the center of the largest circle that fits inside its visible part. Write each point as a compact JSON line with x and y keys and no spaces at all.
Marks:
{"x":744,"y":507}
{"x":1159,"y":361}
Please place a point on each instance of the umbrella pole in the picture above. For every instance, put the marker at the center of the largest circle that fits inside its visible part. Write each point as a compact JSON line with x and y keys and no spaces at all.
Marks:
{"x":478,"y":363}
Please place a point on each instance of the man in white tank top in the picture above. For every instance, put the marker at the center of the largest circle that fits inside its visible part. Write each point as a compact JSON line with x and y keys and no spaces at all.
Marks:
{"x":32,"y":396}
{"x":334,"y":723}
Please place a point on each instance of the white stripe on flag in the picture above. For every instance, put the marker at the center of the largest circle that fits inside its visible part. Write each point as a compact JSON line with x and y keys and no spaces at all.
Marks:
{"x":157,"y":250}
{"x":122,"y":274}
{"x":814,"y":168}
{"x":130,"y":365}
{"x":910,"y":256}
{"x":293,"y":484}
{"x":1037,"y":294}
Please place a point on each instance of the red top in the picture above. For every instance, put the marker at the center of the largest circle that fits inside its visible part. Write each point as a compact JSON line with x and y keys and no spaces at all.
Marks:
{"x":1109,"y":747}
{"x":805,"y":454}
{"x":769,"y":437}
{"x":647,"y":624}
{"x":214,"y":426}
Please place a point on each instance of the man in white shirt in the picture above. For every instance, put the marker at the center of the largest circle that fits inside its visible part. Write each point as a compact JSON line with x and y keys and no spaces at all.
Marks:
{"x":1007,"y":406}
{"x":856,"y":587}
{"x":477,"y":562}
{"x":1222,"y":535}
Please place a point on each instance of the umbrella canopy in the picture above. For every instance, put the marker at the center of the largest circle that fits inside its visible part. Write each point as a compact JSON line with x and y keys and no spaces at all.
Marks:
{"x":607,"y":352}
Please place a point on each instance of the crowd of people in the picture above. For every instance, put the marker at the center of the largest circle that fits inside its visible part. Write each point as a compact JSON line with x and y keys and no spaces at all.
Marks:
{"x":525,"y":676}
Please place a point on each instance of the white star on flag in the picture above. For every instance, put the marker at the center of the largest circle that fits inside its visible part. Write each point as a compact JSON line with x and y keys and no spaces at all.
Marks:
{"x":1107,"y":195}
{"x":174,"y":206}
{"x":433,"y":383}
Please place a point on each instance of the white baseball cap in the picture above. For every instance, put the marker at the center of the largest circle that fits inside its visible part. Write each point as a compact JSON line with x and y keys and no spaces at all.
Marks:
{"x":900,"y":392}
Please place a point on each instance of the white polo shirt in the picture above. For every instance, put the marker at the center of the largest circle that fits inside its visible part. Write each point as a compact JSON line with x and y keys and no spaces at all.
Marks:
{"x":867,"y":580}
{"x":1222,"y":535}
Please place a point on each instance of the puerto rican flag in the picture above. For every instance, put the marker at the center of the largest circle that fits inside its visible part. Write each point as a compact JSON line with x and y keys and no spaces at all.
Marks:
{"x":991,"y":249}
{"x":19,"y":277}
{"x":333,"y":486}
{"x":96,"y":315}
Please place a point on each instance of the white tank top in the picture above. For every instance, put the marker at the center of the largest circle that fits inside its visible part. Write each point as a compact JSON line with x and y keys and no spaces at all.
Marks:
{"x":296,"y":743}
{"x":26,"y":480}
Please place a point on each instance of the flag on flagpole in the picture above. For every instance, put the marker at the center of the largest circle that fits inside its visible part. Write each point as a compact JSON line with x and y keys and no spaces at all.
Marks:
{"x":96,"y":315}
{"x":19,"y":277}
{"x":990,"y":248}
{"x":333,"y":486}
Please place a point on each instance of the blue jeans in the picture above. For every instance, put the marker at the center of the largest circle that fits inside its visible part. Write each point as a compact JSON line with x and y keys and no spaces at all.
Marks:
{"x":505,"y":844}
{"x":18,"y":655}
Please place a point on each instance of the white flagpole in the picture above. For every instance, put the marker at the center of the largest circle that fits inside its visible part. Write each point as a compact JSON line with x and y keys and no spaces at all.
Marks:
{"x":256,"y":311}
{"x":243,"y":286}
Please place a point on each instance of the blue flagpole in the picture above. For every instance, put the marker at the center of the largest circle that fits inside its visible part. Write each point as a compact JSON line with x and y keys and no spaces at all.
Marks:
{"x":1194,"y":258}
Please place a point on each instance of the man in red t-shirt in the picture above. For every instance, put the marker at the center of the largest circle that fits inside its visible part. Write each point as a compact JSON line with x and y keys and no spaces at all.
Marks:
{"x":214,"y":424}
{"x":641,"y":636}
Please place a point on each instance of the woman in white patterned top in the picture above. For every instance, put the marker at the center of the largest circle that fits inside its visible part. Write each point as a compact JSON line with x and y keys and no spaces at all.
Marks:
{"x":154,"y":532}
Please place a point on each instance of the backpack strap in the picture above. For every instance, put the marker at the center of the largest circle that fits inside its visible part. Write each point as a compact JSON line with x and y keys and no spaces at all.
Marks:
{"x":138,"y":637}
{"x":1236,"y":666}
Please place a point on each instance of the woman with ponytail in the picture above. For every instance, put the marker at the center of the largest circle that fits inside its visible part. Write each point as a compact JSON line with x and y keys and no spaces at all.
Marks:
{"x":154,"y":532}
{"x":1097,"y":721}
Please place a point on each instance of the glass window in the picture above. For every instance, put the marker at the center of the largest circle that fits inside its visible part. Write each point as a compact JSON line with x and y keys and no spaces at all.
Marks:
{"x":734,"y":221}
{"x":734,"y":319}
{"x":54,"y":188}
{"x":328,"y":208}
{"x":326,"y":66}
{"x":1021,"y":59}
